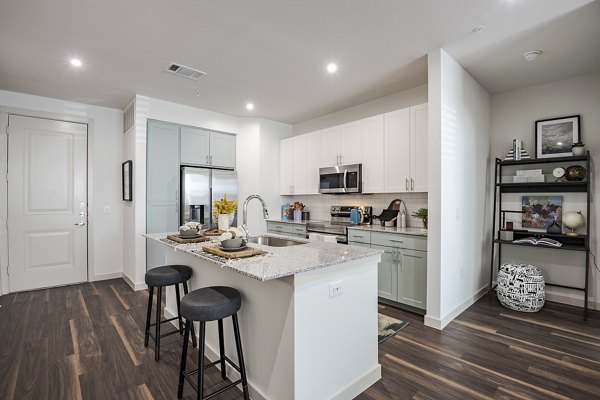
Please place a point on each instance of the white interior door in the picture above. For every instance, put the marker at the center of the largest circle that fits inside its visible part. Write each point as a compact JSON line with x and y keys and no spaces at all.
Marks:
{"x":47,"y":203}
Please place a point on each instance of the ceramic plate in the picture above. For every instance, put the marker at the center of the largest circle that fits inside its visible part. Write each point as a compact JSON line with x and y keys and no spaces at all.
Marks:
{"x":231,"y":249}
{"x":189,"y":237}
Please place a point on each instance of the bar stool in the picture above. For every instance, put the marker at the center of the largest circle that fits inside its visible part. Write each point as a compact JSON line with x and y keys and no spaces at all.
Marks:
{"x":212,"y":304}
{"x":160,"y":277}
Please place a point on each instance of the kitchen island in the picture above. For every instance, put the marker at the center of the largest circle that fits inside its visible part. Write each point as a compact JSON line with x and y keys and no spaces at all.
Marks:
{"x":302,"y":338}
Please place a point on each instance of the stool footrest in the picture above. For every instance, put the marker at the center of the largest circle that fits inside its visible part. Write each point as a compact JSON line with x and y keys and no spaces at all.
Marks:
{"x":188,"y":378}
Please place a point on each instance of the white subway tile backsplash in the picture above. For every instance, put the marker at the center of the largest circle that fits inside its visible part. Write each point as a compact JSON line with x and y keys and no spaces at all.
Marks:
{"x":318,"y":204}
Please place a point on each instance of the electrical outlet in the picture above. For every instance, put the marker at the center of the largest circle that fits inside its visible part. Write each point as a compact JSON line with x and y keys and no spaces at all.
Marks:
{"x":106,"y":209}
{"x":335,"y":288}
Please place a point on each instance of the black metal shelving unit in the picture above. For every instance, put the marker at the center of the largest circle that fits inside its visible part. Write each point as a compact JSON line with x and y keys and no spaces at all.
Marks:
{"x":580,"y":243}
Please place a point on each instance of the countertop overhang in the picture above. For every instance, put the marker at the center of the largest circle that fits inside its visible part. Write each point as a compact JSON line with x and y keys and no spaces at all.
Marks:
{"x":277,"y":262}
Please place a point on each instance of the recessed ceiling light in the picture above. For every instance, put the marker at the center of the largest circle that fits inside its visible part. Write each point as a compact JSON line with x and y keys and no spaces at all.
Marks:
{"x":76,"y":62}
{"x":331,"y":68}
{"x":249,"y":106}
{"x":532,"y":55}
{"x":479,"y":29}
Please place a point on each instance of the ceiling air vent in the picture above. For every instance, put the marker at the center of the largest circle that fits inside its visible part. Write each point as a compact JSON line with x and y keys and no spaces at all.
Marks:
{"x":186,"y":72}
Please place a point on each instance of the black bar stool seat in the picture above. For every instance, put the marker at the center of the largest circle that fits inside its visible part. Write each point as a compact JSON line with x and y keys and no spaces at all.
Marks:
{"x":212,"y":304}
{"x":159,"y":277}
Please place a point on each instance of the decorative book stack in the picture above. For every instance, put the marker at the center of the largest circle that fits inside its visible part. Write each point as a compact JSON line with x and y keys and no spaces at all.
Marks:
{"x":530,"y":175}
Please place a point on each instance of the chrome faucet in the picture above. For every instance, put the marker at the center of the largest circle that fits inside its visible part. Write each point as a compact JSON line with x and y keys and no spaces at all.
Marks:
{"x":245,"y":212}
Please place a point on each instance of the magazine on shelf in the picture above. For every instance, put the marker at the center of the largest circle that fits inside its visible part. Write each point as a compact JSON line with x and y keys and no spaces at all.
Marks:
{"x":539,"y":242}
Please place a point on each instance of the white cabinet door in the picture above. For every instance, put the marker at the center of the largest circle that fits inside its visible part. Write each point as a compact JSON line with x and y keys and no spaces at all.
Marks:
{"x":299,"y":149}
{"x":313,"y":161}
{"x":372,"y":155}
{"x":351,"y":143}
{"x":397,"y":151}
{"x":286,"y":166}
{"x":195,"y":146}
{"x":222,"y":150}
{"x":412,"y":278}
{"x":418,"y":144}
{"x":331,"y":146}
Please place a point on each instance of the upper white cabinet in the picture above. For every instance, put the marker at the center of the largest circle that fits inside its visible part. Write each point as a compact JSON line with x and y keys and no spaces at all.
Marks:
{"x":397,"y":151}
{"x":372,"y":161}
{"x":313,"y":161}
{"x":286,"y":166}
{"x":391,"y":147}
{"x":299,"y":144}
{"x":201,"y":147}
{"x":406,"y":150}
{"x":342,"y":145}
{"x":300,"y":159}
{"x":418,"y":143}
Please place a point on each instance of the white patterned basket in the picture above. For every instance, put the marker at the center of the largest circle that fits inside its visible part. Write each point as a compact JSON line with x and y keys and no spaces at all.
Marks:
{"x":521,"y":287}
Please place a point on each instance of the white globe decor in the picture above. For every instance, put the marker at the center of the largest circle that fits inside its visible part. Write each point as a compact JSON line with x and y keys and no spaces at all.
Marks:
{"x":573,"y":220}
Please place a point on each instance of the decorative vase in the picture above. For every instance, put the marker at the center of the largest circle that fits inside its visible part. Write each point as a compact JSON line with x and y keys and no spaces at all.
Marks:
{"x":223,"y":222}
{"x":578,"y":151}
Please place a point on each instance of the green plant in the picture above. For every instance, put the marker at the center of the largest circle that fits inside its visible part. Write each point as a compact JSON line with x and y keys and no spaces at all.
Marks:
{"x":421,"y":213}
{"x":578,"y":144}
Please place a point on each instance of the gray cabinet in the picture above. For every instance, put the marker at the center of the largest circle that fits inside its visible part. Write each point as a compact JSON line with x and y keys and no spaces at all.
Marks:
{"x":205,"y":148}
{"x":402,"y":272}
{"x":287,"y":229}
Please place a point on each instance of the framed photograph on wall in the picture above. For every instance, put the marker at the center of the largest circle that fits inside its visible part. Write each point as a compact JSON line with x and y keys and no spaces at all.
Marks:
{"x":555,"y":137}
{"x":127,"y":179}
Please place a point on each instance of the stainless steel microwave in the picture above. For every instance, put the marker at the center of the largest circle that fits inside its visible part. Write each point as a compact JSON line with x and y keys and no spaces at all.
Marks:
{"x":341,"y":179}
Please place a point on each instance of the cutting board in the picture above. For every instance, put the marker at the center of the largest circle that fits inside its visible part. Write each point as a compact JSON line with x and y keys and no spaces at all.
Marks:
{"x":179,"y":239}
{"x":248,"y":252}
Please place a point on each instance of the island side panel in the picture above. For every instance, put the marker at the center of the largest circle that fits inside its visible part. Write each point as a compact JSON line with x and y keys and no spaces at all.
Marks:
{"x":336,"y":354}
{"x":266,"y":324}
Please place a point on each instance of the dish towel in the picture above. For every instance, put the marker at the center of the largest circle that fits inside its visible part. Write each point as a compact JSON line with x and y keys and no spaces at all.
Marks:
{"x":322,"y":238}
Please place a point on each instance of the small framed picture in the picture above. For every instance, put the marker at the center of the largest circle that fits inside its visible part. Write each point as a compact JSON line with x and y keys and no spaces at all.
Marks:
{"x":127,"y":179}
{"x":555,"y":137}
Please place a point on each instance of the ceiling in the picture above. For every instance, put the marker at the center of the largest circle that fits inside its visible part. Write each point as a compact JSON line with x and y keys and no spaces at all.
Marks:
{"x":274,"y":52}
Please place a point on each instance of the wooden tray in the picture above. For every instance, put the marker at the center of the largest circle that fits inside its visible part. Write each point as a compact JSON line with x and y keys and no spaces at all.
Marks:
{"x":179,"y":239}
{"x":213,"y":232}
{"x":248,"y":252}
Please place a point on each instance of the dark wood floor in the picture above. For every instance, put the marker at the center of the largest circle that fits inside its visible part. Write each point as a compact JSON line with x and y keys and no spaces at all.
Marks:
{"x":86,"y":342}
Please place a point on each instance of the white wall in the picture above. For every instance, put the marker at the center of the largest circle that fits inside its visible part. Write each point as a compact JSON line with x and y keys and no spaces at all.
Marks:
{"x":458,"y":243}
{"x":513,"y":117}
{"x":396,"y":101}
{"x":105,"y":144}
{"x":256,"y":163}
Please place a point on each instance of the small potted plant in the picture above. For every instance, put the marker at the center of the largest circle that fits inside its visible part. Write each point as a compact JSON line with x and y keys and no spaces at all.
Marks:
{"x":224,"y":210}
{"x":421,"y":213}
{"x":578,"y":149}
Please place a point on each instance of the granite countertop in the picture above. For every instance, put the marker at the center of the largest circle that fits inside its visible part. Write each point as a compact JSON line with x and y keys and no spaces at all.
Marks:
{"x":413,"y":231}
{"x":277,"y":262}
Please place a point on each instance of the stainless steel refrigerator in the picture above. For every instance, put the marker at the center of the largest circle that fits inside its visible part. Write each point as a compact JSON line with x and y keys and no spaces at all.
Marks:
{"x":199,"y":188}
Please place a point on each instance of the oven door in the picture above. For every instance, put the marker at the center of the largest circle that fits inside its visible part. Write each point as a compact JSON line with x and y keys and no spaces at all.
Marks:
{"x":341,"y":179}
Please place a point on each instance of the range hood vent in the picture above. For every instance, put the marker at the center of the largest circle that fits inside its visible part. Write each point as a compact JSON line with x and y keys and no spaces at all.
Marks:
{"x":185,"y":72}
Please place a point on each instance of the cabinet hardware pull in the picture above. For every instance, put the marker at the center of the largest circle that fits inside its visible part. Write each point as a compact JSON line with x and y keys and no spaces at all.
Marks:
{"x":396,"y":241}
{"x":412,"y":184}
{"x":80,"y":224}
{"x":358,"y":236}
{"x":407,"y":184}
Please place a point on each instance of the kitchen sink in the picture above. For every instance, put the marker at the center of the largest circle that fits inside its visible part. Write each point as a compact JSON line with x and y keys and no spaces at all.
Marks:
{"x":274,"y":241}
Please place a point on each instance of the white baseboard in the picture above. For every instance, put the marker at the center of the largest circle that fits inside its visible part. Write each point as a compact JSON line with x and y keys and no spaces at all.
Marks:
{"x":360,"y":385}
{"x":134,"y":286}
{"x":440,"y":323}
{"x":571,"y":299}
{"x":105,"y":277}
